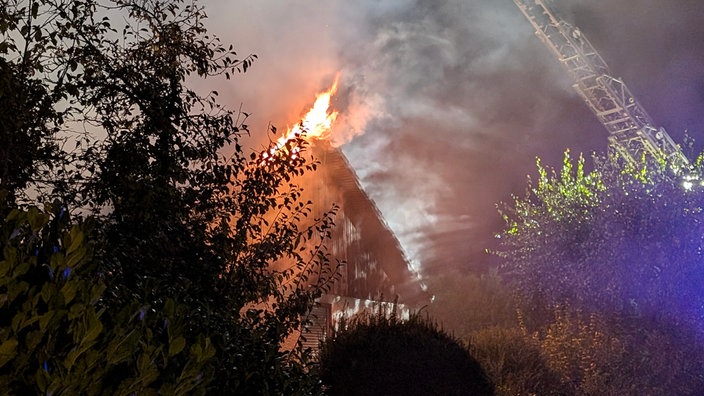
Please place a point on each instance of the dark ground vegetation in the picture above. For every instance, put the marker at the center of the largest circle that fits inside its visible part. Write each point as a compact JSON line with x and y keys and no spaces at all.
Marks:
{"x":380,"y":355}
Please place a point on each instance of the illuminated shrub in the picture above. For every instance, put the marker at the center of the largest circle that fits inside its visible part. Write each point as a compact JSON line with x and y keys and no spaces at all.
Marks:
{"x":515,"y":363}
{"x":625,"y":240}
{"x":616,"y":355}
{"x":608,"y":268}
{"x":579,"y":354}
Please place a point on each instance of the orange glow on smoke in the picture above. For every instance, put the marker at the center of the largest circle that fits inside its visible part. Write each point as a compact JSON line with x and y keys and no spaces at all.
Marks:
{"x":316,"y":124}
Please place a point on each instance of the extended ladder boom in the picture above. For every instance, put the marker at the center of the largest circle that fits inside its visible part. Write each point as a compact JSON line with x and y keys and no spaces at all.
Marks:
{"x":631,"y":130}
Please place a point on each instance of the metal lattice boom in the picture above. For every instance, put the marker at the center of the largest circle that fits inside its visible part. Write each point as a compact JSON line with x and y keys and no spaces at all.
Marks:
{"x":632,"y":132}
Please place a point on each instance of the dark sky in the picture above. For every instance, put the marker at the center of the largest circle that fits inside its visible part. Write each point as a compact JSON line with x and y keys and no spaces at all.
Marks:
{"x":446,"y":103}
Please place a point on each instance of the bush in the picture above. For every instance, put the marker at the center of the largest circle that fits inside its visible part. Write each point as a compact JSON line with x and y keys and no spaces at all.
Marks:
{"x":376,"y":355}
{"x":515,"y":363}
{"x":625,"y":240}
{"x":608,"y":267}
{"x":56,"y":339}
{"x":591,"y":355}
{"x":620,"y":355}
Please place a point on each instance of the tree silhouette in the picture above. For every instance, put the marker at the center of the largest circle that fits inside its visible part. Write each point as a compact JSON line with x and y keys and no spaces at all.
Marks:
{"x":180,"y":211}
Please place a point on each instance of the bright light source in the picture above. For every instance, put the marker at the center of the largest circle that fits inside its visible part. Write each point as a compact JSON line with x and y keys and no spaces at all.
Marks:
{"x":689,"y":181}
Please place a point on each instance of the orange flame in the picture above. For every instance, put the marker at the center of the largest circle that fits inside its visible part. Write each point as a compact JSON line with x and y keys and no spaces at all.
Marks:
{"x":316,"y":124}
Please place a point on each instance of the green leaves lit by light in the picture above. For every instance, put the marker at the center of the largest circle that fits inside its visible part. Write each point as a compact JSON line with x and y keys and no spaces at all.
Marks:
{"x":567,"y":196}
{"x":625,"y":236}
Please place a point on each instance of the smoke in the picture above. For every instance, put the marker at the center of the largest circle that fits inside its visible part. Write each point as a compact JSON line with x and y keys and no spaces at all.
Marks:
{"x":445,"y":104}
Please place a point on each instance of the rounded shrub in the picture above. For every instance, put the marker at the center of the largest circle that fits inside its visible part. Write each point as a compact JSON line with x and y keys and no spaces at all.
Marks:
{"x":376,"y":355}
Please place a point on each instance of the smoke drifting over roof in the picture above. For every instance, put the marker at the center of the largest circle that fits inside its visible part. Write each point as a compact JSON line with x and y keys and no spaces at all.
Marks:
{"x":445,"y":104}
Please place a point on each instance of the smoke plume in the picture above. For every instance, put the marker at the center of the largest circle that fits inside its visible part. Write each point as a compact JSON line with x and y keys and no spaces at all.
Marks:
{"x":445,"y":104}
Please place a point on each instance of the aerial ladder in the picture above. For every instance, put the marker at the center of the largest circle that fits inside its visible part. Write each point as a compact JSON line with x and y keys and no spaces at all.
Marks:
{"x":632,"y":133}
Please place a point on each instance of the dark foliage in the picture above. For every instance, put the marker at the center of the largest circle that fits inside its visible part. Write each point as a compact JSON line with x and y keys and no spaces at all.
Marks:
{"x":95,"y":102}
{"x":28,"y":124}
{"x":56,"y":339}
{"x":386,"y":356}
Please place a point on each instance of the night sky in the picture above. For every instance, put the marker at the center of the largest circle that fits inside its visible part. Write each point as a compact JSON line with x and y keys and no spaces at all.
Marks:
{"x":445,"y":104}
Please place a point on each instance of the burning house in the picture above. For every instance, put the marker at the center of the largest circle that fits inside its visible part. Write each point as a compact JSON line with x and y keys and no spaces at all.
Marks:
{"x":374,"y":270}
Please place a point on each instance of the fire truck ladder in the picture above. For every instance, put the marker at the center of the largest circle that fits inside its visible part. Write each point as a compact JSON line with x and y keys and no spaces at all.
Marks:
{"x":632,"y":133}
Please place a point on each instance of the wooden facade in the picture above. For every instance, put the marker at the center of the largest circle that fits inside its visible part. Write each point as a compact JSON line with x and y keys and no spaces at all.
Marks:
{"x":375,"y":270}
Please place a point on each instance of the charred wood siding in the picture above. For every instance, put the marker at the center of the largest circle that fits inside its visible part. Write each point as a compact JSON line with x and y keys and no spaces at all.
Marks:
{"x":376,"y":267}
